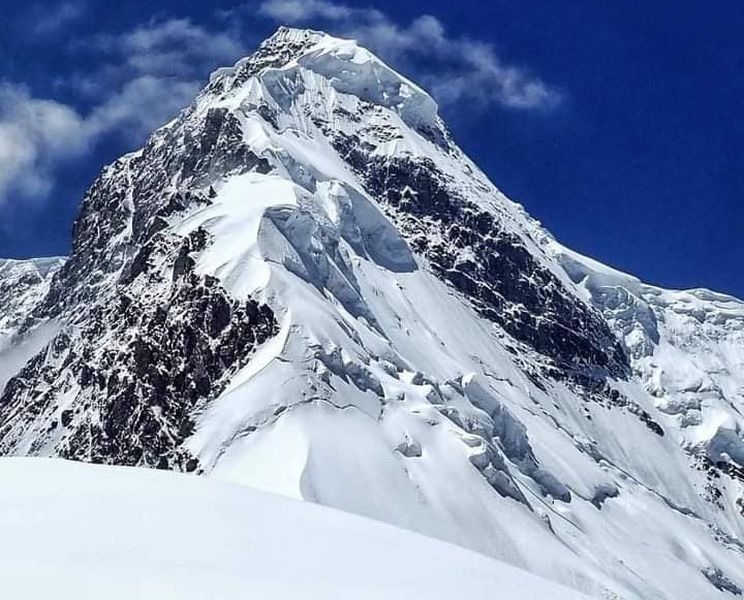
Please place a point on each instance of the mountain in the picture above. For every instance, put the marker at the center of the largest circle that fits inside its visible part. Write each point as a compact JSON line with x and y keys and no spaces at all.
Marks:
{"x":302,"y":284}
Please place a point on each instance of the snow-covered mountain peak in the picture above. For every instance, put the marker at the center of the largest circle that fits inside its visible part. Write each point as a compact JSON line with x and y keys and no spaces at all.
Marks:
{"x":295,"y":35}
{"x":293,"y":60}
{"x":303,"y":284}
{"x":285,"y":45}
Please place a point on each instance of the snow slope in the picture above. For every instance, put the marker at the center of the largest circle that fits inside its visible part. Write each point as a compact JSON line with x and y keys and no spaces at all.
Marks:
{"x":74,"y":531}
{"x":302,"y":284}
{"x":687,"y":350}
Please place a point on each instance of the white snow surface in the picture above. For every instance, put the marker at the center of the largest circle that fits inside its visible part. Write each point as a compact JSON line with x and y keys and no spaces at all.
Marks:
{"x":75,"y":531}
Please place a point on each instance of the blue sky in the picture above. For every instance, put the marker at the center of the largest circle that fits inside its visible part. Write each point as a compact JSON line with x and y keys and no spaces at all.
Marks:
{"x":618,"y":124}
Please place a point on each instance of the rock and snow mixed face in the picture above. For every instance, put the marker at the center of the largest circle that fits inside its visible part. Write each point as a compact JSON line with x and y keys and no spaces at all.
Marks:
{"x":301,"y":283}
{"x":23,"y":284}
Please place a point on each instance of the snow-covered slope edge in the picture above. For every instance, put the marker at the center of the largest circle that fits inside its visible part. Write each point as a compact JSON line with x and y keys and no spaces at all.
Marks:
{"x":302,"y":283}
{"x":687,"y":349}
{"x":74,"y":531}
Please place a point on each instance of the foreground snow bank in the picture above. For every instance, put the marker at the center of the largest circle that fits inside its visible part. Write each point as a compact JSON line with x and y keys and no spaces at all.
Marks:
{"x":79,"y":531}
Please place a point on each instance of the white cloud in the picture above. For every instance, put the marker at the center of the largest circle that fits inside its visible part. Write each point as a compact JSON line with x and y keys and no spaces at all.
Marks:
{"x":142,"y":78}
{"x":44,"y":20}
{"x":150,"y":72}
{"x":453,"y":68}
{"x":123,"y":112}
{"x":175,"y":47}
{"x":296,"y":11}
{"x":35,"y":135}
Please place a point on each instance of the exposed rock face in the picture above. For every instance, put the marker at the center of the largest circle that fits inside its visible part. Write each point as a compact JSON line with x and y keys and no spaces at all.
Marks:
{"x":492,"y":267}
{"x":134,"y":399}
{"x":148,"y":341}
{"x":302,"y":283}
